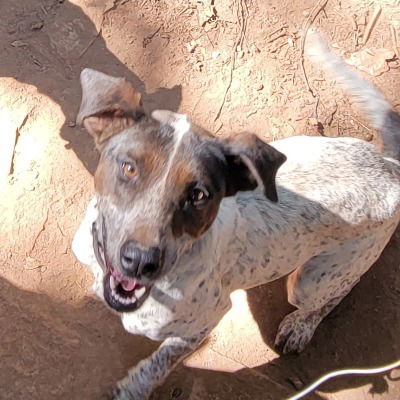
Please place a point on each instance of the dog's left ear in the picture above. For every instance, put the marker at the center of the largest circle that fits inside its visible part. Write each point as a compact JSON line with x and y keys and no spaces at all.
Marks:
{"x":109,"y":105}
{"x":251,"y":163}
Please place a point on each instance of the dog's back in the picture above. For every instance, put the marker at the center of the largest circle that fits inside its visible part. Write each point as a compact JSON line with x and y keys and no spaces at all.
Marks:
{"x":383,"y":118}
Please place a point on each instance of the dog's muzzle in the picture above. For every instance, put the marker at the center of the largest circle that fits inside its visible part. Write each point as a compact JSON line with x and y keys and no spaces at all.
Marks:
{"x":121,"y":292}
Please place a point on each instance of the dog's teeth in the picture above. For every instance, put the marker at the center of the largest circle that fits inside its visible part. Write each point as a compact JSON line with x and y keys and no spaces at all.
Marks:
{"x":116,"y":296}
{"x":140,"y":292}
{"x":112,"y":283}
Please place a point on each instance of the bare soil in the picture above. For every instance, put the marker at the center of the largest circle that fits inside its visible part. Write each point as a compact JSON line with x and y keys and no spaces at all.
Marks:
{"x":57,"y":340}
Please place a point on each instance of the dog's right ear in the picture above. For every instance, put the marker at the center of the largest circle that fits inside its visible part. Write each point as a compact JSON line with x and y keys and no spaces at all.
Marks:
{"x":109,"y":105}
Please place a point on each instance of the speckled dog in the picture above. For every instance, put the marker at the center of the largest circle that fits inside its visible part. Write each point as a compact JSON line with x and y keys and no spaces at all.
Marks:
{"x":181,"y":219}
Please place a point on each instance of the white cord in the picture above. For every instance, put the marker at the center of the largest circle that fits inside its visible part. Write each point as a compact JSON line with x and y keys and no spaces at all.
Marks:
{"x":333,"y":374}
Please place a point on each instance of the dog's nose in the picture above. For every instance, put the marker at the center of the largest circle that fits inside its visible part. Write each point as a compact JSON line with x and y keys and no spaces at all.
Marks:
{"x":137,"y":262}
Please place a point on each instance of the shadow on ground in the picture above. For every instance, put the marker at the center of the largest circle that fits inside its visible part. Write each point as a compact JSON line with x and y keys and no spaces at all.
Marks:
{"x":52,"y":55}
{"x":51,"y":350}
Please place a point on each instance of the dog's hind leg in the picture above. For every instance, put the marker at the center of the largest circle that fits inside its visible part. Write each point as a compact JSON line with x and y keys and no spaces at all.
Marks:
{"x":320,"y":284}
{"x":151,"y":372}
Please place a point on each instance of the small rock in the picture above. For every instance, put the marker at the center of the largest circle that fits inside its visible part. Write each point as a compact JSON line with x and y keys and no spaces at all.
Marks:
{"x":290,"y":41}
{"x":260,"y":87}
{"x":191,"y":46}
{"x":368,"y":137}
{"x":19,"y":43}
{"x":71,"y":124}
{"x":296,"y":382}
{"x":306,"y":13}
{"x":246,"y":72}
{"x":199,"y":66}
{"x":215,"y":54}
{"x":176,"y":393}
{"x":37,"y":25}
{"x":240,"y":54}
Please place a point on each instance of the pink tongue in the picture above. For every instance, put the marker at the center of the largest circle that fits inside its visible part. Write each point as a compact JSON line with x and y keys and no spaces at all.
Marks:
{"x":128,"y":285}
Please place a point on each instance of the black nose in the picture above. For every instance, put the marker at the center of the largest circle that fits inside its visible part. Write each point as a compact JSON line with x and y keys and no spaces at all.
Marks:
{"x":137,"y":262}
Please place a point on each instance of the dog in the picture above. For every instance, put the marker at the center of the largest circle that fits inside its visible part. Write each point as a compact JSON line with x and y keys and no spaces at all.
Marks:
{"x":180,"y":219}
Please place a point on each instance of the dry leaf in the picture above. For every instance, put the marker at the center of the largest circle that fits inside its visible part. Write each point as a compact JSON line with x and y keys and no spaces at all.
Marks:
{"x":372,"y":61}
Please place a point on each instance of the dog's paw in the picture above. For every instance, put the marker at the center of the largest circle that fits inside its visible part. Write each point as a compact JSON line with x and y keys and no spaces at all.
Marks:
{"x":296,"y":330}
{"x":120,"y":394}
{"x":129,"y":389}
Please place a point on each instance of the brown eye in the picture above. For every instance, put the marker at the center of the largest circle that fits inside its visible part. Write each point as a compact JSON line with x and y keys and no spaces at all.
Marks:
{"x":129,"y":170}
{"x":198,"y":196}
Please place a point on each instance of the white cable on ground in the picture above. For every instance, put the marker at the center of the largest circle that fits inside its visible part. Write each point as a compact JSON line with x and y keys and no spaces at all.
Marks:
{"x":333,"y":374}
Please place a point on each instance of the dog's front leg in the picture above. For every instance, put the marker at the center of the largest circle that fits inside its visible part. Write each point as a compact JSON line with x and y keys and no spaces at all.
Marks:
{"x":152,"y":371}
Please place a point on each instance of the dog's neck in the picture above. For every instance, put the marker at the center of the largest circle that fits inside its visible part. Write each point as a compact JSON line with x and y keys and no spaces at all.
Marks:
{"x":217,"y":238}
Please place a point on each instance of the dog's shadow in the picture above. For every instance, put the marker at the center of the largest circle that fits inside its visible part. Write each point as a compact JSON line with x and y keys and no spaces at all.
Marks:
{"x":361,"y":332}
{"x":52,"y":350}
{"x":51,"y":43}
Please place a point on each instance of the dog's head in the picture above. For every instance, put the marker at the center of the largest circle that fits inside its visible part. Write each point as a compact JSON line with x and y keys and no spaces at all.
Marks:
{"x":159,"y":183}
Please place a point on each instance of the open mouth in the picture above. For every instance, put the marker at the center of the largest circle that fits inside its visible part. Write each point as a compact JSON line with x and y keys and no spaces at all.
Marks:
{"x":121,"y":293}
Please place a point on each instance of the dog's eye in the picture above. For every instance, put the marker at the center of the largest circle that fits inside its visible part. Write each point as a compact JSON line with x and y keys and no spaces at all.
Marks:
{"x":129,"y":170}
{"x":198,"y":195}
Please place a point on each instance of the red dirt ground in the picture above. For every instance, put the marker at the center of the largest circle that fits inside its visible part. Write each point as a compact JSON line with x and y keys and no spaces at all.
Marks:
{"x":57,"y":340}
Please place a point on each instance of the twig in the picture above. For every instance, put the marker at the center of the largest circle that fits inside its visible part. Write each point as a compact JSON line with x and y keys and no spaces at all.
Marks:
{"x":394,"y":41}
{"x":329,"y":120}
{"x":59,"y":228}
{"x":360,"y":123}
{"x":316,"y":107}
{"x":39,"y":233}
{"x":93,"y":39}
{"x":252,"y":371}
{"x":106,"y":11}
{"x":245,"y":20}
{"x":310,"y":19}
{"x":148,"y":38}
{"x":242,"y":21}
{"x":17,"y":135}
{"x":276,"y":37}
{"x":276,"y":31}
{"x":371,"y":24}
{"x":198,"y":101}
